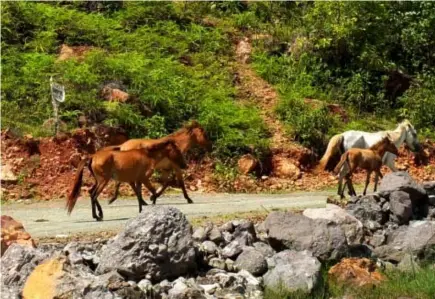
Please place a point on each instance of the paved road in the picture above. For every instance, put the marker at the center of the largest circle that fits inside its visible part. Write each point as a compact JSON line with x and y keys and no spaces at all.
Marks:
{"x":49,"y":219}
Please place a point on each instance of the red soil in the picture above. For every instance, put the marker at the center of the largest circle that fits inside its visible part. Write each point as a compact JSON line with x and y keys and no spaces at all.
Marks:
{"x":49,"y":175}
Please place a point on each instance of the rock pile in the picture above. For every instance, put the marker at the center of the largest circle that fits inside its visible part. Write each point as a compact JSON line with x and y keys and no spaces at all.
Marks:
{"x":158,"y":255}
{"x":397,"y":219}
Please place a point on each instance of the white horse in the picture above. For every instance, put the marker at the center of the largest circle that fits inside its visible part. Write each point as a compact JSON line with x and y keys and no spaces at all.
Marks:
{"x":340,"y":143}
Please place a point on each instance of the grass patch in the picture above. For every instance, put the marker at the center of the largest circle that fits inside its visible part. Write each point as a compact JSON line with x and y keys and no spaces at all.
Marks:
{"x":419,"y":285}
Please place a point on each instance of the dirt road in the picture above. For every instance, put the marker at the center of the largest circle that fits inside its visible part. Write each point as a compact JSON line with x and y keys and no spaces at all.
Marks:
{"x":49,"y":219}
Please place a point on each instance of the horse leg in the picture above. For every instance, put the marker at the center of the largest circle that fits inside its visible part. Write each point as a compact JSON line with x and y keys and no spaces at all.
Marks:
{"x":179,"y":175}
{"x":376,"y":181}
{"x":352,"y":168}
{"x":349,"y":183}
{"x":346,"y":184}
{"x":94,"y":214}
{"x":341,"y":188}
{"x":340,"y":184}
{"x":151,"y":188}
{"x":95,"y":203}
{"x":92,"y":190}
{"x":350,"y":189}
{"x":100,"y":210}
{"x":138,"y":191}
{"x":165,"y":177}
{"x":350,"y":186}
{"x":377,"y":176}
{"x":115,"y":196}
{"x":369,"y":173}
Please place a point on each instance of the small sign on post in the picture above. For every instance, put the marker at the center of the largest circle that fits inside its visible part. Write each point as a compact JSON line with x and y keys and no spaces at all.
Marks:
{"x":57,"y":96}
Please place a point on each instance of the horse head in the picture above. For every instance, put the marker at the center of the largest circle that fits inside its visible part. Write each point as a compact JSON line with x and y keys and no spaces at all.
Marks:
{"x":411,"y":135}
{"x":199,"y":135}
{"x":389,"y":146}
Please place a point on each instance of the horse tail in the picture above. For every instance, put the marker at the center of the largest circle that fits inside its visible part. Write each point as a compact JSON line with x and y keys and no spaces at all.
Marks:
{"x":332,"y":149}
{"x":72,"y":198}
{"x":344,"y":159}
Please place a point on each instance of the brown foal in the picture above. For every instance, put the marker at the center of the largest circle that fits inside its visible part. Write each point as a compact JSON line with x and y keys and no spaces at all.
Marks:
{"x":367,"y":159}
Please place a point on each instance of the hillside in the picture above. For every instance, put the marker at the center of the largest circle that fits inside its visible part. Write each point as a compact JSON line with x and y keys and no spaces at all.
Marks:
{"x":271,"y":79}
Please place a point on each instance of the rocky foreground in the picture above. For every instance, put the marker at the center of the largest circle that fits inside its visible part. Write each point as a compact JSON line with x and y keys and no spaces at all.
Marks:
{"x":158,"y":255}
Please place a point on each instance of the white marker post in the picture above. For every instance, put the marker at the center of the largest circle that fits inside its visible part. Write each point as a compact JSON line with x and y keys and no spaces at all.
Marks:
{"x":57,"y":96}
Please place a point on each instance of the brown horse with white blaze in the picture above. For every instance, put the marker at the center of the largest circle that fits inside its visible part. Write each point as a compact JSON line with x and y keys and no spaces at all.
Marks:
{"x":367,"y":159}
{"x":188,"y":136}
{"x":134,"y":167}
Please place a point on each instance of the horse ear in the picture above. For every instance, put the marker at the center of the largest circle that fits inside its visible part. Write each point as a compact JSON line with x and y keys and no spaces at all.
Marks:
{"x":194,"y":124}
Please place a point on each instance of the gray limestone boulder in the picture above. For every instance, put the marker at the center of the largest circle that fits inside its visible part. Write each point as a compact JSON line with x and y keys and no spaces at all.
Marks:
{"x":157,"y":243}
{"x":287,"y":230}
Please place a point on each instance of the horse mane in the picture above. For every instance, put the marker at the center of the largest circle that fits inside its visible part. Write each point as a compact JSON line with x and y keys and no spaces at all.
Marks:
{"x":187,"y":127}
{"x":191,"y":126}
{"x":405,"y":123}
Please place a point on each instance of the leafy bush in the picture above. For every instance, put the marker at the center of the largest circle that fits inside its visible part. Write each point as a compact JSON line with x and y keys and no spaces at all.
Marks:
{"x":419,"y":104}
{"x":310,"y":126}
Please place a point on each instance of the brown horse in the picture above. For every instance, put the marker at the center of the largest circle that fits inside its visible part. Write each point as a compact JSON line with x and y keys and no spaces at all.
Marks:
{"x":368,"y":159}
{"x":185,"y":138}
{"x":134,"y":167}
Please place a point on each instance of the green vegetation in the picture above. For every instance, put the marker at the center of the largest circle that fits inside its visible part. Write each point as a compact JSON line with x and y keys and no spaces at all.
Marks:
{"x":361,"y":55}
{"x":420,"y":284}
{"x":177,"y":59}
{"x":136,"y":46}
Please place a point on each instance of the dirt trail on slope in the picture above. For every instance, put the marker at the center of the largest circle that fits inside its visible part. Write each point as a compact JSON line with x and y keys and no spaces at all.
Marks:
{"x":266,"y":98}
{"x":287,"y":158}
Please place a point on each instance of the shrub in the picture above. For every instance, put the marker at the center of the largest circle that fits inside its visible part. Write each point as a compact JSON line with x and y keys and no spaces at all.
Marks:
{"x":419,"y":104}
{"x":310,"y":126}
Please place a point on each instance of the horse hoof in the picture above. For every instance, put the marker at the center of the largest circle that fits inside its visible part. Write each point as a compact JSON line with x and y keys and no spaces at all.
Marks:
{"x":190,"y":201}
{"x":99,"y":219}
